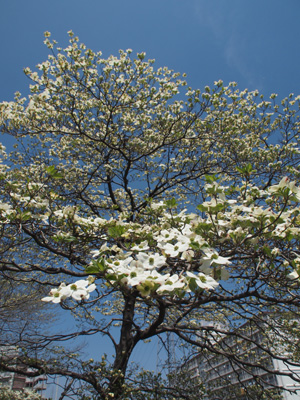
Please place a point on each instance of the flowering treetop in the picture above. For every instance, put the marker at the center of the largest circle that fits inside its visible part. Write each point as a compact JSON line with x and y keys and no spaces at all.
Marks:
{"x":133,"y":196}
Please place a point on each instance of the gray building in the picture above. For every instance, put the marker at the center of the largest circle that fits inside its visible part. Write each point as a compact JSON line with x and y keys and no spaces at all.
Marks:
{"x":225,"y":378}
{"x":17,"y":381}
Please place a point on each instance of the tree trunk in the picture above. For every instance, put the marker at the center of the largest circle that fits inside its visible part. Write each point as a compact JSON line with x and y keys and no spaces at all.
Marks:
{"x":125,"y":347}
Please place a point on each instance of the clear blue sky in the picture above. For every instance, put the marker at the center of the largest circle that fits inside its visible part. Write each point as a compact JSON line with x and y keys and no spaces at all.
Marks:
{"x":255,"y":43}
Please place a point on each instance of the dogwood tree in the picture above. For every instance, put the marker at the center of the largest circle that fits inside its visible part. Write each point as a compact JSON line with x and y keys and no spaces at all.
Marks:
{"x":145,"y":207}
{"x":19,"y":299}
{"x":8,"y":394}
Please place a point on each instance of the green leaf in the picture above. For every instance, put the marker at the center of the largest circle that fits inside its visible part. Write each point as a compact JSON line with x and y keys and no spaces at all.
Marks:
{"x":65,"y":239}
{"x":290,"y":236}
{"x":249,"y":168}
{"x":267,"y":251}
{"x":211,"y":178}
{"x":202,"y":208}
{"x":116,"y":231}
{"x":25,"y":216}
{"x":195,"y":245}
{"x":219,"y":207}
{"x":212,"y":209}
{"x":53,"y":172}
{"x":246,"y":170}
{"x":92,"y":269}
{"x":192,"y":284}
{"x":70,"y":239}
{"x":172,"y":203}
{"x":203,"y":227}
{"x":96,"y":266}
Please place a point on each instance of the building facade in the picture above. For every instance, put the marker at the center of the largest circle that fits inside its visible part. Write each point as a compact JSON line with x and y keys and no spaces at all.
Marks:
{"x":17,"y":381}
{"x":226,"y":379}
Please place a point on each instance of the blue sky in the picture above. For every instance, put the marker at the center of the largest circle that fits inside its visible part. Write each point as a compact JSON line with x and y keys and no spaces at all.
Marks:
{"x":255,"y":43}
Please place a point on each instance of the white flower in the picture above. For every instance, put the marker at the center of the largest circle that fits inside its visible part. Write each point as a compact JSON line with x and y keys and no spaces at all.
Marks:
{"x":143,"y":246}
{"x":95,"y":253}
{"x":203,"y":281}
{"x":5,"y":207}
{"x":224,"y":274}
{"x":187,"y":231}
{"x":118,"y":266}
{"x":57,"y":295}
{"x":136,"y":276}
{"x":172,"y":283}
{"x":172,"y":250}
{"x":285,"y":183}
{"x":80,"y":289}
{"x":167,"y":234}
{"x":187,"y":255}
{"x":146,"y":288}
{"x":151,"y":261}
{"x":293,"y":275}
{"x":156,"y":206}
{"x":212,"y":257}
{"x":275,"y":251}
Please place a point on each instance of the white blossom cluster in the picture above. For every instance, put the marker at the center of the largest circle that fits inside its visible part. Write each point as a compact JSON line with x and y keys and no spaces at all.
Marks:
{"x":79,"y":290}
{"x":146,"y":265}
{"x":25,"y":394}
